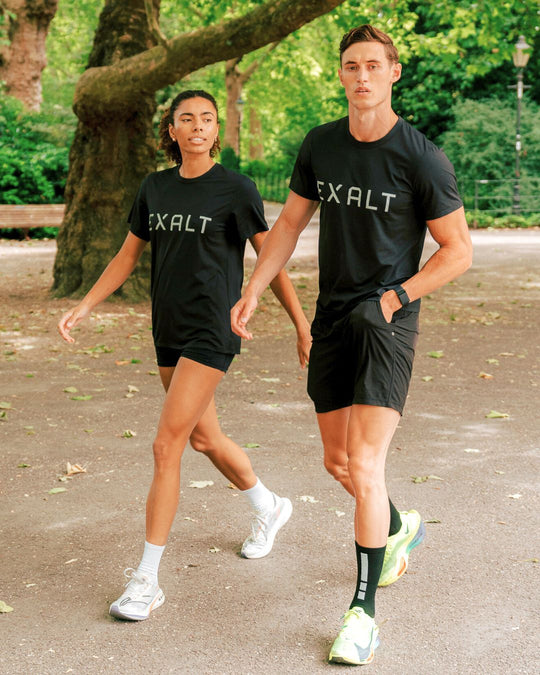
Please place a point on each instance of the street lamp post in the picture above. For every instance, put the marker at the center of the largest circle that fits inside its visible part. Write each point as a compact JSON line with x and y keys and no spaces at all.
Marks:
{"x":520,"y":58}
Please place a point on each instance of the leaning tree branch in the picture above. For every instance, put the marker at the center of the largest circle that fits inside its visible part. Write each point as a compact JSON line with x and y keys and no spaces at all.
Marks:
{"x":110,"y":91}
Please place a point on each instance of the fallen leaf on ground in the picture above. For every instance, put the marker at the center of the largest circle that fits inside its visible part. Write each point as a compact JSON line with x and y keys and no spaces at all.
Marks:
{"x":493,"y":414}
{"x":308,"y":498}
{"x":471,"y":450}
{"x":132,"y":388}
{"x":427,"y":378}
{"x":423,"y":479}
{"x":485,"y":376}
{"x":87,"y":397}
{"x":252,"y":445}
{"x":55,"y":491}
{"x":200,"y":483}
{"x":128,"y":433}
{"x":68,"y":562}
{"x":270,"y":379}
{"x":22,"y":465}
{"x":493,"y":361}
{"x":432,"y":520}
{"x":5,"y":405}
{"x":122,"y":363}
{"x":214,"y":549}
{"x":438,"y":354}
{"x":72,"y":469}
{"x":516,"y":496}
{"x":71,"y":390}
{"x":533,"y":560}
{"x":5,"y":608}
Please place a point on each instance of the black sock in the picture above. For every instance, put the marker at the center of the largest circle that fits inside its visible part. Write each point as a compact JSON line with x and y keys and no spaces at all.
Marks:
{"x":370,"y":562}
{"x":395,"y":519}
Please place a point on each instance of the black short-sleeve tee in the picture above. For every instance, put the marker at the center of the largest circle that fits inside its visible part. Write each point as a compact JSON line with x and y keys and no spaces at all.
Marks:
{"x":197,"y":228}
{"x":375,"y":200}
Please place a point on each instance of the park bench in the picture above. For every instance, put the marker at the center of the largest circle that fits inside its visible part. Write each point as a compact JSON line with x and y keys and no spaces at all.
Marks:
{"x":26,"y":216}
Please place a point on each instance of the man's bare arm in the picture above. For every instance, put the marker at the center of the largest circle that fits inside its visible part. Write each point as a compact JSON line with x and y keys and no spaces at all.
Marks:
{"x":278,"y":247}
{"x":452,"y":258}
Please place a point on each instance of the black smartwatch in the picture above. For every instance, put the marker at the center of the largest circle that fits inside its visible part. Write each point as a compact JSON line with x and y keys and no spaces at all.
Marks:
{"x":402,"y":295}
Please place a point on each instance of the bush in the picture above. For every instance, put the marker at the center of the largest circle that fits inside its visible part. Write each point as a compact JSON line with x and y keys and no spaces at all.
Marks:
{"x":34,"y":155}
{"x":483,"y":220}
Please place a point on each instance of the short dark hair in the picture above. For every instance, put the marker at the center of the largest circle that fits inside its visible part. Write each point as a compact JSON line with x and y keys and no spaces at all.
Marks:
{"x":166,"y":143}
{"x":367,"y":33}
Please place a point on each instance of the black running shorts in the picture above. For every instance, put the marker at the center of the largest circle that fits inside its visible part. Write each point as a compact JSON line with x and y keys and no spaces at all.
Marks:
{"x":363,"y":359}
{"x":167,"y":357}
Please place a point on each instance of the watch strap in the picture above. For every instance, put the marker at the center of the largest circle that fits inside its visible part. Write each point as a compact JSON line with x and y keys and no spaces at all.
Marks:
{"x":402,"y":295}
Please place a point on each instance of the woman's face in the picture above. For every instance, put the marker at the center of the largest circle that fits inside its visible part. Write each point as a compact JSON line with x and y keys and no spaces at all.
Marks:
{"x":195,"y":127}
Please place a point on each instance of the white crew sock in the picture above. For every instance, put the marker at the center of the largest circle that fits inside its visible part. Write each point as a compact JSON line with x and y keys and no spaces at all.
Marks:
{"x":149,"y":564}
{"x":260,"y":497}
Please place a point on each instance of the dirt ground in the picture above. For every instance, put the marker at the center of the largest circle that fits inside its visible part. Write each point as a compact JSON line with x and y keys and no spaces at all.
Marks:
{"x":469,"y":602}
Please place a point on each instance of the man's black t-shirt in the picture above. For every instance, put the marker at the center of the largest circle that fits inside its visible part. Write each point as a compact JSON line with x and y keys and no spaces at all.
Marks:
{"x":375,"y":200}
{"x":197,"y":228}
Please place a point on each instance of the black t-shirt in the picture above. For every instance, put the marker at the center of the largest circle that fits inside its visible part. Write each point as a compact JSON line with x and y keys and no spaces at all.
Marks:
{"x":198,"y":229}
{"x":375,"y":200}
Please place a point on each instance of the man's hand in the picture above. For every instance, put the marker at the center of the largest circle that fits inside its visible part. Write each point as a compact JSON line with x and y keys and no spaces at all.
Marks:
{"x":390,"y":303}
{"x":241,"y":313}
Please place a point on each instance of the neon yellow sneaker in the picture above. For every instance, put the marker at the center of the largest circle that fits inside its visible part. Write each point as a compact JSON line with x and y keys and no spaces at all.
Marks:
{"x":399,"y":545}
{"x":357,"y":640}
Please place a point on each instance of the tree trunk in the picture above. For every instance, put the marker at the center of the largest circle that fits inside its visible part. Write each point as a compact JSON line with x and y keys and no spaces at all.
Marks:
{"x":114,"y":146}
{"x":256,"y":147}
{"x":108,"y":159}
{"x":234,"y":84}
{"x":23,"y":59}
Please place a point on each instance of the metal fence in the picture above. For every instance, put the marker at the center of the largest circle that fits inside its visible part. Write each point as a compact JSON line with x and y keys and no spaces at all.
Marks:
{"x":490,"y":196}
{"x":498,"y":196}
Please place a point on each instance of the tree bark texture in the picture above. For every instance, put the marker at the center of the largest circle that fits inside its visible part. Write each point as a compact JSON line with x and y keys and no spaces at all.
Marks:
{"x":114,"y":147}
{"x":23,"y":59}
{"x":256,"y":148}
{"x":108,"y":160}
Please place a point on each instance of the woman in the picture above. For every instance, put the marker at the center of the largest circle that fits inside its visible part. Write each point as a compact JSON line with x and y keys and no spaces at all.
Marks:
{"x":197,"y":216}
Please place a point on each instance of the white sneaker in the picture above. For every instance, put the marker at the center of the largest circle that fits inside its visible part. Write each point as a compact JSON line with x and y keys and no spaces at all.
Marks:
{"x":264,"y":528}
{"x":139,"y":599}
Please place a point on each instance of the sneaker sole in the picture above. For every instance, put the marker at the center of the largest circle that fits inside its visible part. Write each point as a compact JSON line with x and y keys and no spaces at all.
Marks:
{"x":282,"y":519}
{"x":336,"y":658}
{"x":118,"y":614}
{"x":404,"y":561}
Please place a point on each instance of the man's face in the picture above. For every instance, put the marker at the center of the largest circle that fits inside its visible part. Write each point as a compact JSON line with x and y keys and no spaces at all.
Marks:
{"x":367,"y":75}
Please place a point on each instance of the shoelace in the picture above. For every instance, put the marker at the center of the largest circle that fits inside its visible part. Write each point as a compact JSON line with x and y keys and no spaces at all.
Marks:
{"x":139,"y":582}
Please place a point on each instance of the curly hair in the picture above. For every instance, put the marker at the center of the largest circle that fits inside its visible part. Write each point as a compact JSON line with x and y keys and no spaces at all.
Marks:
{"x":367,"y":33}
{"x":166,"y":143}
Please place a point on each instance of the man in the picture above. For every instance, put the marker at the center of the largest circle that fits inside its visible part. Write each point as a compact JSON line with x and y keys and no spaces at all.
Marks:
{"x":380,"y":183}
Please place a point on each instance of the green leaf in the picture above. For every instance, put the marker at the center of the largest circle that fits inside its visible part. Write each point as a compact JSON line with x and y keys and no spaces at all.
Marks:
{"x":22,"y":465}
{"x":87,"y":397}
{"x":436,"y":354}
{"x":493,"y":414}
{"x":427,"y":378}
{"x":5,"y":405}
{"x":433,"y":520}
{"x":55,"y":491}
{"x":71,"y":390}
{"x":4,"y":609}
{"x":129,"y":434}
{"x":252,"y":445}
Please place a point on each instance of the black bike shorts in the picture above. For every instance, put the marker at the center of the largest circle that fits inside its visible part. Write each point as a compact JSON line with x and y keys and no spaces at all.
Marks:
{"x":363,"y":359}
{"x":167,"y":357}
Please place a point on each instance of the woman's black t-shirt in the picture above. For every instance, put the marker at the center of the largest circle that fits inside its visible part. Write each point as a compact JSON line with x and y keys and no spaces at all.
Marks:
{"x":197,"y":228}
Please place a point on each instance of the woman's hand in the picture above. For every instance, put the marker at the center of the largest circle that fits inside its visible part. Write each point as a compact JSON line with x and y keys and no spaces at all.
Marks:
{"x":70,"y":320}
{"x":303,"y":345}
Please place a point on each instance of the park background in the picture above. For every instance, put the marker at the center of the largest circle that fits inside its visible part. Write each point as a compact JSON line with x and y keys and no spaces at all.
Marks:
{"x":466,"y":454}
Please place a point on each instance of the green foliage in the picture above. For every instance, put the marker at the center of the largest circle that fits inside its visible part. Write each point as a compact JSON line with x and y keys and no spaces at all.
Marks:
{"x":483,"y":220}
{"x":481,"y":146}
{"x":229,"y":159}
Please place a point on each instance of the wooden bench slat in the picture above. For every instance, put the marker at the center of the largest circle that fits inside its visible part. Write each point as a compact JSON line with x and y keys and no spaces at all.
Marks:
{"x":26,"y":216}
